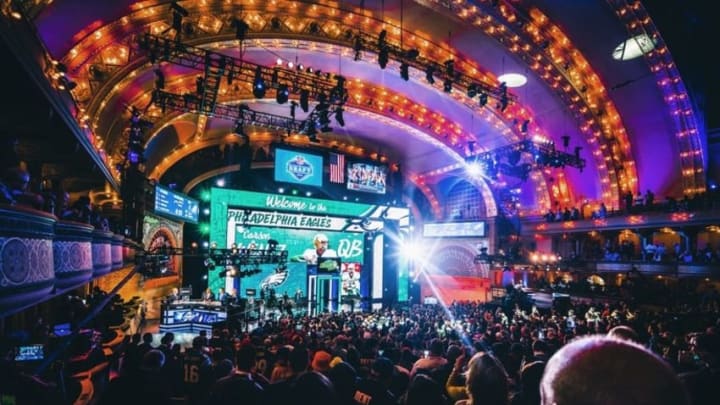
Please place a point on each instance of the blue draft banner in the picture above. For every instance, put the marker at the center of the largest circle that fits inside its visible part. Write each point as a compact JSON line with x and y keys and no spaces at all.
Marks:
{"x":298,"y":167}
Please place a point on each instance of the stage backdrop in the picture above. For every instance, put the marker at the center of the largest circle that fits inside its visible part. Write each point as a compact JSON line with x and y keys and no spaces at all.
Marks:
{"x":244,"y":217}
{"x":349,"y":247}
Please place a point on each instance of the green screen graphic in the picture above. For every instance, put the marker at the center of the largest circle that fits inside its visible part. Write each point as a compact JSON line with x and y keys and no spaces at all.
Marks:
{"x":349,"y":247}
{"x":245,"y":218}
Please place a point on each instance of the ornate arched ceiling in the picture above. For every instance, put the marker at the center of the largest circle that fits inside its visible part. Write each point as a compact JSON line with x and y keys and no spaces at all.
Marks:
{"x":626,"y":116}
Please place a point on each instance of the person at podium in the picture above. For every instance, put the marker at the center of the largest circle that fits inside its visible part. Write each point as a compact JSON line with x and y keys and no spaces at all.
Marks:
{"x":173,"y":297}
{"x":222,"y":296}
{"x":208,"y":295}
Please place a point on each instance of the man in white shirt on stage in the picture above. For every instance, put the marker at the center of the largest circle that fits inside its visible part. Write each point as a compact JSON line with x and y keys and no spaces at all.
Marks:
{"x":320,"y":249}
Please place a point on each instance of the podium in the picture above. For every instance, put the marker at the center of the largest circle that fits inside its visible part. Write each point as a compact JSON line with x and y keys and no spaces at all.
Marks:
{"x":191,"y":316}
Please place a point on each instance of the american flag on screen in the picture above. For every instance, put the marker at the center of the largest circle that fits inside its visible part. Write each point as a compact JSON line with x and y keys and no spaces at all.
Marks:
{"x":337,"y":168}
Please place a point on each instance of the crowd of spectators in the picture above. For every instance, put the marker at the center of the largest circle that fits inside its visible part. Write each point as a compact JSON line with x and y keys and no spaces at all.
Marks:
{"x":469,"y":352}
{"x":632,"y":205}
{"x":18,"y":188}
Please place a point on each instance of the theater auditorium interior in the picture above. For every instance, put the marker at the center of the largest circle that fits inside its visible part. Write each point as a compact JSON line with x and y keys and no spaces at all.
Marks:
{"x":359,"y":202}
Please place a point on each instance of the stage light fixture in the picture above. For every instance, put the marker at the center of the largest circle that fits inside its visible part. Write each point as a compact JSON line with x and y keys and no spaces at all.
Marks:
{"x":200,"y":85}
{"x":483,"y":99}
{"x":282,"y":94}
{"x":241,"y":28}
{"x":429,"y":72}
{"x":339,"y":116}
{"x":383,"y":57}
{"x":275,"y":23}
{"x":304,"y":99}
{"x":231,"y":73}
{"x":447,"y":85}
{"x":524,"y":127}
{"x":404,"y":71}
{"x":450,"y":67}
{"x":382,"y":38}
{"x":258,"y":84}
{"x":472,"y":90}
{"x":357,"y":47}
{"x":159,"y":79}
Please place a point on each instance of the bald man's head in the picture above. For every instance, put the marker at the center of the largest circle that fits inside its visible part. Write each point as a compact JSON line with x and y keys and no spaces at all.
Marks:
{"x":606,"y":370}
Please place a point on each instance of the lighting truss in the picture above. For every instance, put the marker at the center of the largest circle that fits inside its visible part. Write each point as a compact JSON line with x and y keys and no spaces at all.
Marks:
{"x":218,"y":257}
{"x":412,"y":58}
{"x":217,"y":65}
{"x":238,"y":113}
{"x":519,"y":159}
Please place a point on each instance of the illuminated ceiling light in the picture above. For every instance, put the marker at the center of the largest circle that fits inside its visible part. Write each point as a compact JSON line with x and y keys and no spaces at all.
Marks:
{"x":633,"y":47}
{"x":513,"y":79}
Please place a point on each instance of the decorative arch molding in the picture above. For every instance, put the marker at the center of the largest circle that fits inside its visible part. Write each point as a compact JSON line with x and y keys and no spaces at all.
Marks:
{"x":549,"y":52}
{"x":332,"y":14}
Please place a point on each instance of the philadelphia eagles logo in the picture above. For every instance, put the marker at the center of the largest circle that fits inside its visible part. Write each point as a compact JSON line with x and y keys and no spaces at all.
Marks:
{"x":299,"y":168}
{"x":274,"y":280}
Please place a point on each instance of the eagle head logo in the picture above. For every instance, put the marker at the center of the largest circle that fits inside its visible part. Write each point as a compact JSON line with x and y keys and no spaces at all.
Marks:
{"x":275,"y":279}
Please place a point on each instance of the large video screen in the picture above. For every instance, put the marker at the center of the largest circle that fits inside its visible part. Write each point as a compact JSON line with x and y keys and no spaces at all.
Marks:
{"x":176,"y":205}
{"x":346,"y":246}
{"x":292,"y":166}
{"x":367,"y":177}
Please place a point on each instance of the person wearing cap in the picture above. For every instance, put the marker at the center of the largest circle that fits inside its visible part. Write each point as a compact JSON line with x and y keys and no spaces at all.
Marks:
{"x":375,"y":388}
{"x":321,"y":361}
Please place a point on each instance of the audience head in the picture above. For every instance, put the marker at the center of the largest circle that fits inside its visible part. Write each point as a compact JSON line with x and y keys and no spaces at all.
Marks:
{"x":624,"y":332}
{"x":487,"y":381}
{"x":423,"y":390}
{"x":382,"y":370}
{"x":321,"y":361}
{"x":299,"y":359}
{"x":313,"y":388}
{"x":606,"y":370}
{"x":343,"y":377}
{"x":246,"y":357}
{"x":530,"y":377}
{"x":436,"y":347}
{"x":223,"y":368}
{"x":153,"y":360}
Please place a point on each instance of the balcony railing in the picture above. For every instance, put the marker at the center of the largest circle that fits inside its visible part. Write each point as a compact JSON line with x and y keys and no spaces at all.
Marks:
{"x":651,"y":219}
{"x":41,"y":256}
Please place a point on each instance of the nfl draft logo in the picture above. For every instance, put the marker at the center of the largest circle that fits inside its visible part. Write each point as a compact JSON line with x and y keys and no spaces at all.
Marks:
{"x":299,"y":168}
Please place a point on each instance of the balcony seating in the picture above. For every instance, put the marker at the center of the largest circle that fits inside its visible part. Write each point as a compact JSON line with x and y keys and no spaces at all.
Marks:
{"x":102,"y":252}
{"x":26,"y":256}
{"x":72,"y":253}
{"x":41,"y":255}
